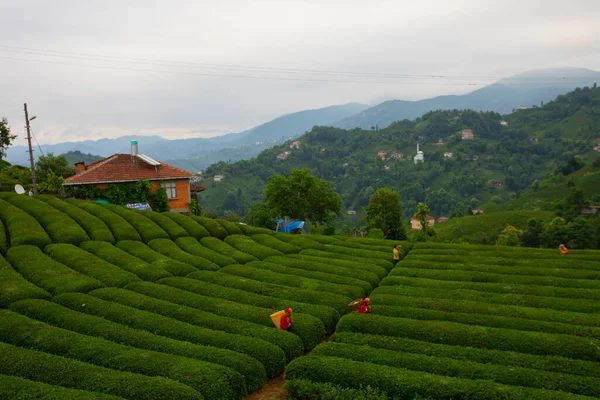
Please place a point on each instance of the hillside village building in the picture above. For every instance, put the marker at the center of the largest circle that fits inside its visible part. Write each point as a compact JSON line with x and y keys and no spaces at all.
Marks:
{"x":420,"y":157}
{"x":416,"y":224}
{"x":467,"y":134}
{"x":295,"y":145}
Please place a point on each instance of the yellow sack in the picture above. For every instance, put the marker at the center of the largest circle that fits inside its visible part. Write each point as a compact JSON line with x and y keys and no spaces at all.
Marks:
{"x":276,"y":318}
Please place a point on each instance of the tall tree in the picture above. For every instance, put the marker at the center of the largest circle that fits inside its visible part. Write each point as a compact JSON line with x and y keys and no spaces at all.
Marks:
{"x":421,"y":215}
{"x":384,"y":212}
{"x":57,"y":165}
{"x":6,"y":138}
{"x":302,"y":196}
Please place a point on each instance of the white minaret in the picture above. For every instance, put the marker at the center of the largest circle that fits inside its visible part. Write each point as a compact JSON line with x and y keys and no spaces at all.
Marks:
{"x":420,"y":156}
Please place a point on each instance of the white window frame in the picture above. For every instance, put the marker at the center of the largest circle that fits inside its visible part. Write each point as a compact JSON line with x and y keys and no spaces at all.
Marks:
{"x":171,"y":189}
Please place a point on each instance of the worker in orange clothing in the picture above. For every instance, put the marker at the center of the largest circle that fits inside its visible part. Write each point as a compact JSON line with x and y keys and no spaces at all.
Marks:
{"x":286,"y":319}
{"x":563,"y":249}
{"x":364,"y":306}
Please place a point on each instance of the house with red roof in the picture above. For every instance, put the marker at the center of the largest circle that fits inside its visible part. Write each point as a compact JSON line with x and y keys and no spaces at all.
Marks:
{"x":126,"y":168}
{"x":416,"y":224}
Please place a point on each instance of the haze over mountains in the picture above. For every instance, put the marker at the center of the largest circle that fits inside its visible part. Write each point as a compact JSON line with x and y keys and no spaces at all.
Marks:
{"x":529,"y":88}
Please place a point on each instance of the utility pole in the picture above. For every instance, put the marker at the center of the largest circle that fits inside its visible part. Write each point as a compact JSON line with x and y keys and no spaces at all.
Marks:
{"x":31,"y":159}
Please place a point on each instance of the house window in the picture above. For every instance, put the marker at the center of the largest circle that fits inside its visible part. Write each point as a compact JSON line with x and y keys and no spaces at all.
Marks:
{"x":171,"y":189}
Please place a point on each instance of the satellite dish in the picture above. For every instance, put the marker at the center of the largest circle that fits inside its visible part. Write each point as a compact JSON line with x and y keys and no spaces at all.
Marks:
{"x":19,"y":189}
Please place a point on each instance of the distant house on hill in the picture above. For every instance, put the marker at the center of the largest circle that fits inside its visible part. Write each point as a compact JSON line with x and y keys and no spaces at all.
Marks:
{"x":218,"y":178}
{"x":497,"y":183}
{"x":416,"y":224}
{"x":127,"y":168}
{"x":351,"y":212}
{"x":590,"y":211}
{"x":523,"y":108}
{"x":476,"y":212}
{"x":381,"y":154}
{"x":396,"y":156}
{"x":448,"y":154}
{"x":282,"y":156}
{"x":295,"y":145}
{"x":441,"y":220}
{"x":467,"y":134}
{"x":503,"y":123}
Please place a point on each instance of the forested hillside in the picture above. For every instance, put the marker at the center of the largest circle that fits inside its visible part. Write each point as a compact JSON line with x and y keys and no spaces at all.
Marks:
{"x":507,"y":155}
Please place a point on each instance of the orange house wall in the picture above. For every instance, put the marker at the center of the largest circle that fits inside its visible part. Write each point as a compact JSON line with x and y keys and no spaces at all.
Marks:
{"x":183,"y":193}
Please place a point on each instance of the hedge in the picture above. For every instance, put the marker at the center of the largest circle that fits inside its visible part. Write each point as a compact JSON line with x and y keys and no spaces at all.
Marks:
{"x":253,"y":271}
{"x":274,"y":243}
{"x":271,"y":356}
{"x":213,"y":227}
{"x":212,"y":380}
{"x":336,"y":301}
{"x":544,"y":286}
{"x":370,"y":254}
{"x":484,"y":267}
{"x":93,"y":226}
{"x":587,"y":386}
{"x":404,"y":384}
{"x":90,"y":265}
{"x":168,"y":248}
{"x":12,"y":387}
{"x":513,"y":359}
{"x":385,"y":243}
{"x":426,"y":298}
{"x":173,"y":229}
{"x":249,"y":230}
{"x":145,"y":253}
{"x":328,"y":316}
{"x":147,"y":229}
{"x":249,"y":246}
{"x":305,"y":265}
{"x":230,"y":227}
{"x":303,"y":389}
{"x":308,"y":328}
{"x":388,"y":265}
{"x":120,"y":228}
{"x":57,"y":315}
{"x":494,"y":321}
{"x":365,"y":246}
{"x":226,"y":250}
{"x":192,"y":227}
{"x":124,"y":260}
{"x":446,"y":332}
{"x":48,"y":274}
{"x":13,"y":287}
{"x":377,"y":270}
{"x":192,"y":246}
{"x":289,"y":343}
{"x":22,"y":227}
{"x":323,"y":239}
{"x":60,"y":227}
{"x":311,"y":273}
{"x":489,"y":293}
{"x":3,"y":239}
{"x":301,"y":241}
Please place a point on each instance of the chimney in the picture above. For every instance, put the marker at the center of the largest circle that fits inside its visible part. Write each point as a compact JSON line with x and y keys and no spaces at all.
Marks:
{"x":79,"y":167}
{"x":134,"y":148}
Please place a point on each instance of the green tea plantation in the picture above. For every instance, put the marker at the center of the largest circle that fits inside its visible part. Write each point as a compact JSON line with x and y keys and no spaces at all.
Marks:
{"x":102,"y":302}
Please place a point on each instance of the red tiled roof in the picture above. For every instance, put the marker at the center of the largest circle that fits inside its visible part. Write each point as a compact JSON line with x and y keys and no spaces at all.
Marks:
{"x":118,"y":168}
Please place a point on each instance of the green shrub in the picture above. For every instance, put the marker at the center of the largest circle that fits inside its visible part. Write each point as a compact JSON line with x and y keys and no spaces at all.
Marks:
{"x":445,"y":332}
{"x":54,"y":314}
{"x":328,"y":316}
{"x":93,"y":226}
{"x":365,"y":246}
{"x":173,"y":229}
{"x":120,"y":228}
{"x":124,"y":260}
{"x":405,"y":384}
{"x":192,"y":227}
{"x":274,"y":243}
{"x":308,"y":328}
{"x":337,"y":256}
{"x":250,"y":230}
{"x":271,"y":356}
{"x":301,"y":241}
{"x":90,"y":265}
{"x":428,"y":299}
{"x":249,"y":246}
{"x":13,"y":287}
{"x":511,"y":359}
{"x":145,"y":253}
{"x":212,"y":380}
{"x":60,"y":227}
{"x":22,"y":227}
{"x":3,"y":239}
{"x":12,"y":387}
{"x":230,"y":227}
{"x":212,"y":226}
{"x":377,"y":270}
{"x":385,"y":243}
{"x":52,"y":369}
{"x":378,"y":255}
{"x":302,"y":389}
{"x":147,"y":229}
{"x":192,"y":246}
{"x":226,"y":250}
{"x":305,"y":265}
{"x":48,"y":274}
{"x":336,"y":301}
{"x":530,"y":296}
{"x":322,"y":238}
{"x":251,"y":271}
{"x":289,"y":343}
{"x":170,"y":249}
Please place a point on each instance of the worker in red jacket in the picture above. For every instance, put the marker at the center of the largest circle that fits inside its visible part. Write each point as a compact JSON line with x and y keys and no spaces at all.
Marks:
{"x":364,"y":306}
{"x":286,"y":319}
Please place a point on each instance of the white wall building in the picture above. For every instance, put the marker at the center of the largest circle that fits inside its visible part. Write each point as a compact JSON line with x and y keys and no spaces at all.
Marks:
{"x":420,"y":156}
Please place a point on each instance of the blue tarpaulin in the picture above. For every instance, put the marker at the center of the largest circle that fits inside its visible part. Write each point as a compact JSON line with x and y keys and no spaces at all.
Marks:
{"x":289,"y":226}
{"x":139,"y":206}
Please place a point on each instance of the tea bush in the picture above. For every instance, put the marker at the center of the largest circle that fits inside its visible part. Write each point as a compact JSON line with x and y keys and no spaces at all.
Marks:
{"x":192,"y":227}
{"x":212,"y":226}
{"x":22,"y":227}
{"x":226,"y":250}
{"x":13,"y":287}
{"x":12,"y":387}
{"x":147,"y":229}
{"x":120,"y":228}
{"x":170,"y":249}
{"x":230,"y":227}
{"x":145,"y":253}
{"x":248,"y":246}
{"x":192,"y":246}
{"x":274,"y":243}
{"x":173,"y":229}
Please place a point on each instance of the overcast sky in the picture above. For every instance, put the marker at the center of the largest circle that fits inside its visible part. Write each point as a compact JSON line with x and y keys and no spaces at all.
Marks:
{"x":105,"y":68}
